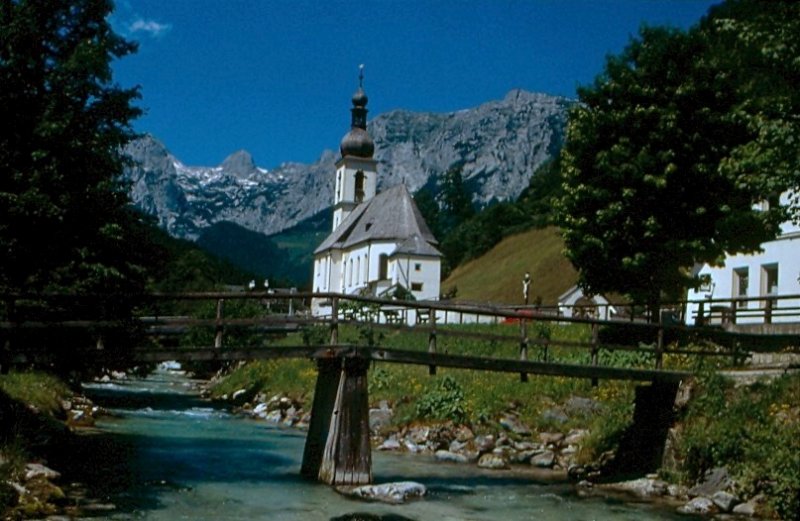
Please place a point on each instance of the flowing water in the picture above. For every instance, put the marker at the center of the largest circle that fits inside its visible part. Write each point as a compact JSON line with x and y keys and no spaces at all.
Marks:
{"x":167,"y":455}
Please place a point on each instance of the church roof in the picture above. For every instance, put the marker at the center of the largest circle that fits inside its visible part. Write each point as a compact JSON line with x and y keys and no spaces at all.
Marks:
{"x":416,"y":245}
{"x":390,"y":216}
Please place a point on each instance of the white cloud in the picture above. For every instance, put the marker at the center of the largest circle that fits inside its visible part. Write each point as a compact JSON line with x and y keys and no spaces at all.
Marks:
{"x":150,"y":27}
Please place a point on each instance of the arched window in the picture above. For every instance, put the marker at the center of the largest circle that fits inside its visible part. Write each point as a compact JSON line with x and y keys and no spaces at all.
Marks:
{"x":359,"y":186}
{"x":383,"y":267}
{"x":358,"y":270}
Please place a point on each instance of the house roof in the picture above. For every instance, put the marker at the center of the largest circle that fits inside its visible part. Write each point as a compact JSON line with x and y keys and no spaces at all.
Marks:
{"x":391,"y":216}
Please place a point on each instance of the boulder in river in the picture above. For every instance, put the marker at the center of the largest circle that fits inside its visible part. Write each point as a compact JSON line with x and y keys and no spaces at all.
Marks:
{"x":393,"y":493}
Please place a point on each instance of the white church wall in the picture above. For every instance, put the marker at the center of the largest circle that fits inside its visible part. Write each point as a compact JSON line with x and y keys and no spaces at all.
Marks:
{"x":345,"y":179}
{"x":418,"y":274}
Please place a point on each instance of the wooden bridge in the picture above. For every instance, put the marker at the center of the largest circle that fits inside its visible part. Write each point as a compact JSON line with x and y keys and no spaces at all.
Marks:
{"x":337,"y":447}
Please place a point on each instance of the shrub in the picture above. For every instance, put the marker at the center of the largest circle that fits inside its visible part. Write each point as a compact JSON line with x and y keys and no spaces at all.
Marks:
{"x":754,"y":431}
{"x":443,"y":400}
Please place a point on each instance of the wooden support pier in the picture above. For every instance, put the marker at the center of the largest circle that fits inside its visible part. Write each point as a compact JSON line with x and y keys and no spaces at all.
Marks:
{"x":337,"y":448}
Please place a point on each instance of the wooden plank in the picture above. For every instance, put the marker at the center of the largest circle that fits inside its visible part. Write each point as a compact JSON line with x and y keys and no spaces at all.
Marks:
{"x":201,"y":354}
{"x":392,"y":355}
{"x":516,"y":366}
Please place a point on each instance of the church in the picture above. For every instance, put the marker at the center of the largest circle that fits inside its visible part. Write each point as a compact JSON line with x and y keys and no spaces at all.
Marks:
{"x":380,"y":244}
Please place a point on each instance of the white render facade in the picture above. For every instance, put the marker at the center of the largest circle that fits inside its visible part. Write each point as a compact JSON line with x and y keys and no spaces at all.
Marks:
{"x":379,"y":242}
{"x":775,"y":271}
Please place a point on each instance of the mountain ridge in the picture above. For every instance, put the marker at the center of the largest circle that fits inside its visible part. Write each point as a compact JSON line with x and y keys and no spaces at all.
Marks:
{"x":497,"y":145}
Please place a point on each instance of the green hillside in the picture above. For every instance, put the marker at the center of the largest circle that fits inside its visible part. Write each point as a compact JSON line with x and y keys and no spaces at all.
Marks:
{"x":497,"y":275}
{"x":285,"y":258}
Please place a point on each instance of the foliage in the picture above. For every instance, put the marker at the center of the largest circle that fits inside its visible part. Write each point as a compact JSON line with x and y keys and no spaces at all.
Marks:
{"x":443,"y":400}
{"x":456,"y":201}
{"x":606,"y":429}
{"x":480,"y":233}
{"x":41,"y":390}
{"x":673,"y":145}
{"x":754,"y":431}
{"x":64,"y":122}
{"x":465,"y":234}
{"x":545,"y":187}
{"x":252,"y":252}
{"x":294,"y":378}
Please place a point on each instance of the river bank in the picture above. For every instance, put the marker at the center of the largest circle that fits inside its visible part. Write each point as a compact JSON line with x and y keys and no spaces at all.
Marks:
{"x":164,"y":453}
{"x":43,"y":424}
{"x":733,"y":449}
{"x":102,"y":470}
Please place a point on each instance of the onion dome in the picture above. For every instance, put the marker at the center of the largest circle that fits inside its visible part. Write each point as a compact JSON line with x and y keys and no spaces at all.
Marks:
{"x":357,"y":142}
{"x":360,"y":98}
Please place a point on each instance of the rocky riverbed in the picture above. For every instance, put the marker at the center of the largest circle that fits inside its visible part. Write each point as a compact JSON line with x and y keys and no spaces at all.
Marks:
{"x":516,"y":448}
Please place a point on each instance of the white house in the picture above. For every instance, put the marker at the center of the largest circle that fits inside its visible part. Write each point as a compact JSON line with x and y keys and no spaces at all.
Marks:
{"x":379,"y":242}
{"x":772,"y":272}
{"x":574,"y":303}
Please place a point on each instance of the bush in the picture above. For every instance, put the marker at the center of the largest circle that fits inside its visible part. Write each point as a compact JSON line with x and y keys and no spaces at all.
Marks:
{"x":754,"y":431}
{"x":443,"y":400}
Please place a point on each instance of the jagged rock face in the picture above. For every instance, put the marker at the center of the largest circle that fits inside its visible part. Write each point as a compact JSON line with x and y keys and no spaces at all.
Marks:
{"x":498,"y":145}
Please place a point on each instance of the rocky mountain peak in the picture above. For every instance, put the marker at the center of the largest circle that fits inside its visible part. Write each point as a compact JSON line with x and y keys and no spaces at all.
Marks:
{"x":498,"y":146}
{"x":240,"y":164}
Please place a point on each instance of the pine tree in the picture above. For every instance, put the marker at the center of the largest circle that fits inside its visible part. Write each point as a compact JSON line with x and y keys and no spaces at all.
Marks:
{"x":65,"y":220}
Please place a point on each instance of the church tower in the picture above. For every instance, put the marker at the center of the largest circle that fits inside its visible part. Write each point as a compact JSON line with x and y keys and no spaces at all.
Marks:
{"x":356,"y":171}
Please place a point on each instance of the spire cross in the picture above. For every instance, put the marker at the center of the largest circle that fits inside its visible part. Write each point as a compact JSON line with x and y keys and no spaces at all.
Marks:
{"x":361,"y":75}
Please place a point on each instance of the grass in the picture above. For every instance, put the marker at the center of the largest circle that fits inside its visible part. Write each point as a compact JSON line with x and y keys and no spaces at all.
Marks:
{"x":497,"y":275}
{"x":40,"y":390}
{"x":29,"y":401}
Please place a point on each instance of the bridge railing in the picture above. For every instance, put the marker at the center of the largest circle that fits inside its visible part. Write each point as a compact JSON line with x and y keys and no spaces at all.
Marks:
{"x":435,"y":326}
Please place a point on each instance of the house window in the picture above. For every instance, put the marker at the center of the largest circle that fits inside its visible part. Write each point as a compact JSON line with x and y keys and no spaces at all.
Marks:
{"x":769,"y":279}
{"x":358,"y":270}
{"x":417,"y":266}
{"x":416,"y":286}
{"x":383,"y":267}
{"x":740,"y":281}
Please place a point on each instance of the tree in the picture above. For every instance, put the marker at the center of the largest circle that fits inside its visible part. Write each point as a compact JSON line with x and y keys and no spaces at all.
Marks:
{"x":65,"y":219}
{"x":657,"y":167}
{"x":66,"y":225}
{"x":456,"y":201}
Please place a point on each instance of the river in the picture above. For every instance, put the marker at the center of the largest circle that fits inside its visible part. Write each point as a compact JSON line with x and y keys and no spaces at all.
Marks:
{"x":168,"y":455}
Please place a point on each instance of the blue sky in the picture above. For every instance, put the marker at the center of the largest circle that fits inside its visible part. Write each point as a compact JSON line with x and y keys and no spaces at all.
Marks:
{"x":275,"y":77}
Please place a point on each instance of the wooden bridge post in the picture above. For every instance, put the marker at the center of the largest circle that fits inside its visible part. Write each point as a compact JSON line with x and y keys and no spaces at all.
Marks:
{"x":595,"y":350}
{"x":328,"y":373}
{"x":218,"y":335}
{"x":660,"y":347}
{"x":432,"y":341}
{"x":334,"y":337}
{"x":523,"y":346}
{"x":5,"y":351}
{"x":347,"y":458}
{"x":768,"y":310}
{"x":700,"y":320}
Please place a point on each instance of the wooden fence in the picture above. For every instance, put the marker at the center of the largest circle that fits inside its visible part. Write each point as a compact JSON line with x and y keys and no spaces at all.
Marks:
{"x":282,"y":313}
